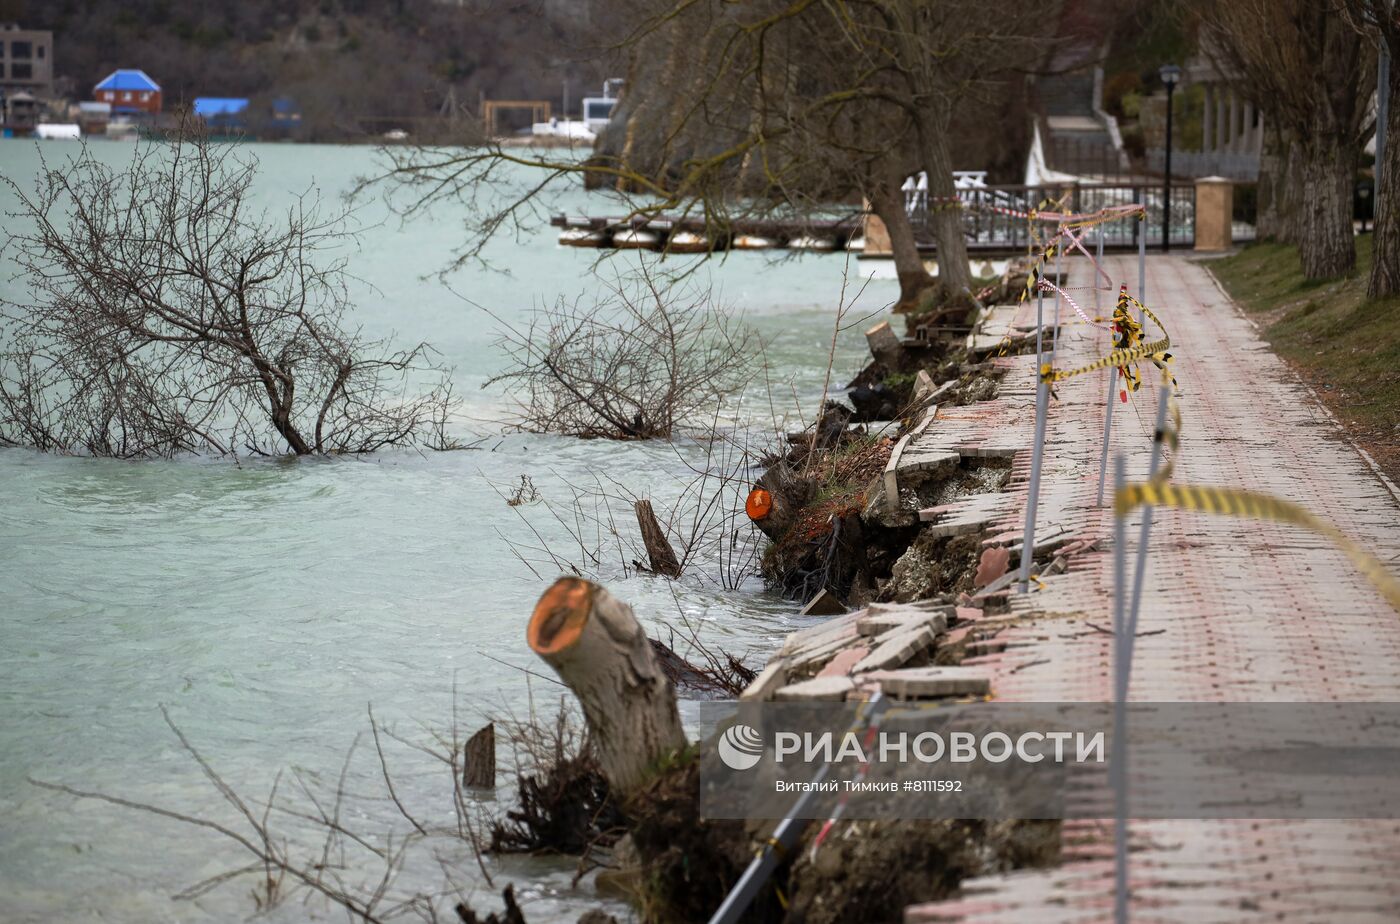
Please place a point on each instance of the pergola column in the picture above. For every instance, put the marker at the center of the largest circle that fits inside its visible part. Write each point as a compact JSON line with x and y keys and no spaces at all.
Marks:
{"x":1219,"y":119}
{"x":1233,"y":142}
{"x":1206,"y":119}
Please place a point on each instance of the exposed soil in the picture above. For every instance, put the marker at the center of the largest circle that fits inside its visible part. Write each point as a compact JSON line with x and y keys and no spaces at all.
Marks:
{"x":863,"y":871}
{"x":564,"y":809}
{"x":872,"y":870}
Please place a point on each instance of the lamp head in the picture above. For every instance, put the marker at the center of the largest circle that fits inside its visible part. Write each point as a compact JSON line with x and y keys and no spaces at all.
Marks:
{"x":1170,"y":74}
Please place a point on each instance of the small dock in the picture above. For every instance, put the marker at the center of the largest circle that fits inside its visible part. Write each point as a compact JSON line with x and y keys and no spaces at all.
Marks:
{"x":685,"y":234}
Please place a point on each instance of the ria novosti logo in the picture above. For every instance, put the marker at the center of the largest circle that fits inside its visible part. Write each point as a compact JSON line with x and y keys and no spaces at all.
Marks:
{"x":740,"y":747}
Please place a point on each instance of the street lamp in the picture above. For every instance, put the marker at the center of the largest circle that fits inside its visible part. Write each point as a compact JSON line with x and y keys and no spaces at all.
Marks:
{"x":1171,"y":75}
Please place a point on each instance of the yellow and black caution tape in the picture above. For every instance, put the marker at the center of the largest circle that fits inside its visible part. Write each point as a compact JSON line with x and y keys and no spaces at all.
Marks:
{"x":1130,"y":349}
{"x":1241,"y":503}
{"x":1066,"y":223}
{"x":1043,"y":253}
{"x":1160,"y":492}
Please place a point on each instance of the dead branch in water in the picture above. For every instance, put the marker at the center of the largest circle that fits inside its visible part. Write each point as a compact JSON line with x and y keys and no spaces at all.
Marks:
{"x":704,"y":524}
{"x":356,"y":871}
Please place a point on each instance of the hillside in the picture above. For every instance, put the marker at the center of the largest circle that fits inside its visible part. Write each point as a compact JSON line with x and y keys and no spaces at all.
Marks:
{"x":353,"y":66}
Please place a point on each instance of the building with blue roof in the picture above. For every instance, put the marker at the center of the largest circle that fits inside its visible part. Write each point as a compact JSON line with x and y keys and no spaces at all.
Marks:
{"x":130,"y":91}
{"x":222,"y":113}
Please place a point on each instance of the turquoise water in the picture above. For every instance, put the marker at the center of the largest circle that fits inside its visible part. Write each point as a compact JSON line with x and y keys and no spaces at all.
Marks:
{"x":267,"y":603}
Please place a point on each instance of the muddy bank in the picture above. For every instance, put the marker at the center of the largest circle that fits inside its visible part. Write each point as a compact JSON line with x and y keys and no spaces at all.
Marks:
{"x":841,"y":505}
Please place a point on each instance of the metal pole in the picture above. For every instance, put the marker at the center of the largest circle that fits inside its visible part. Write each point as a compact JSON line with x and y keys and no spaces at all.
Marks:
{"x":785,"y":837}
{"x":1163,"y":395}
{"x":1098,"y":264}
{"x":1039,"y":321}
{"x":1112,"y":388}
{"x":1118,"y":766}
{"x":1055,"y":334}
{"x":1142,"y":265}
{"x":1167,"y":180}
{"x":1042,"y":410}
{"x":1107,"y":429}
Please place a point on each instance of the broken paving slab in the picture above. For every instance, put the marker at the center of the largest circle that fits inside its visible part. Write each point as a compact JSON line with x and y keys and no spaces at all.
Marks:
{"x":918,"y":682}
{"x":999,"y":585}
{"x":763,"y":686}
{"x":845,"y":660}
{"x":821,"y":633}
{"x":883,"y":619}
{"x":891,"y":477}
{"x":897,"y":650}
{"x":824,"y":603}
{"x":1052,"y":536}
{"x":968,"y":515}
{"x":808,"y":660}
{"x":818,"y":689}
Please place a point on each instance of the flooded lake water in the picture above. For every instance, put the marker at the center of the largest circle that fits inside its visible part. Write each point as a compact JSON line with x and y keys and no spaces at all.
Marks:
{"x":267,"y":603}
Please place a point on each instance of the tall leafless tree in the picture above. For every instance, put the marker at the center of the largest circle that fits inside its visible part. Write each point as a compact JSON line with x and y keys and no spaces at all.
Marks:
{"x":1376,"y":21}
{"x":1311,"y":72}
{"x":769,"y":108}
{"x":165,"y":314}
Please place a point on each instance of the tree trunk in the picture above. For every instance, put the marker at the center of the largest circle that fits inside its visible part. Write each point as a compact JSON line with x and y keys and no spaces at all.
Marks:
{"x":1326,"y":243}
{"x":1277,"y":196}
{"x":786,"y":496}
{"x":887,"y":201}
{"x":479,"y":759}
{"x":1385,"y":243}
{"x":954,"y":272}
{"x":599,"y":650}
{"x":659,"y":552}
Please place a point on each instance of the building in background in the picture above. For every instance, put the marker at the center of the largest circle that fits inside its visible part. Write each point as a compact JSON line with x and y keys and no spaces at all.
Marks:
{"x":26,"y":76}
{"x":21,"y":113}
{"x":26,"y":61}
{"x":130,"y":92}
{"x":94,"y":116}
{"x":286,"y":114}
{"x":223,"y":115}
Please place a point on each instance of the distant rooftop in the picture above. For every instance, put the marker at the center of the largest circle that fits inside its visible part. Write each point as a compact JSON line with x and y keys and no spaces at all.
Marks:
{"x":128,"y":79}
{"x":218,"y":105}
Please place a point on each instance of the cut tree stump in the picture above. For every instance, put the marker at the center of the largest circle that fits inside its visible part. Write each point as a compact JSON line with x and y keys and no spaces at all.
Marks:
{"x":659,"y":551}
{"x":479,"y":759}
{"x":787,"y":494}
{"x":884,"y":344}
{"x":600,"y":651}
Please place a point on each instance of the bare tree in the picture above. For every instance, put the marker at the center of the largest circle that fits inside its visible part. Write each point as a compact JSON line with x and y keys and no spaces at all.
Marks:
{"x":764,"y":109}
{"x":1308,"y":69}
{"x":165,"y":315}
{"x":928,"y":58}
{"x":641,"y":360}
{"x":1375,"y":21}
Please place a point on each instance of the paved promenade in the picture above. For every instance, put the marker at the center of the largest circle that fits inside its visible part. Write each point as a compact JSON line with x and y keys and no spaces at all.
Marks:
{"x":1237,"y":610}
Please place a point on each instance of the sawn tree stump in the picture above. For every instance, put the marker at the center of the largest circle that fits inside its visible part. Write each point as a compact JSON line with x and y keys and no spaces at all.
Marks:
{"x":600,"y":651}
